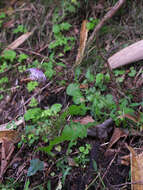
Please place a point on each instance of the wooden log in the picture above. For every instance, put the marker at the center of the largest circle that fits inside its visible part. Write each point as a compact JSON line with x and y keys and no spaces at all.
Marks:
{"x":127,"y":55}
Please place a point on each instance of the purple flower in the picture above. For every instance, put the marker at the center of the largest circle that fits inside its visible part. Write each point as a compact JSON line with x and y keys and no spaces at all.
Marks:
{"x":36,"y":74}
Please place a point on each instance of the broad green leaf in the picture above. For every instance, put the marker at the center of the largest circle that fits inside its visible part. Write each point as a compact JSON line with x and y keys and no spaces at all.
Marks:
{"x":73,"y":89}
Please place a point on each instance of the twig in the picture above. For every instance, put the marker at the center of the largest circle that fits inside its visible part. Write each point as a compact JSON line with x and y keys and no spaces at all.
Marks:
{"x":109,"y":15}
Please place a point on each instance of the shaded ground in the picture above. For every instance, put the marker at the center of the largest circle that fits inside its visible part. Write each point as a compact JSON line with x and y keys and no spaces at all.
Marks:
{"x":104,"y":170}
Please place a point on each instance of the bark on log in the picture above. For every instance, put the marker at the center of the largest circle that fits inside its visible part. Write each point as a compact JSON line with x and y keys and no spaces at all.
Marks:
{"x":127,"y":55}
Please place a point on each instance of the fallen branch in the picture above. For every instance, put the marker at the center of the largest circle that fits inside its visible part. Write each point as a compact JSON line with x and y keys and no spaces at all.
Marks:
{"x":127,"y":55}
{"x":107,"y":16}
{"x":20,"y":40}
{"x":102,"y":130}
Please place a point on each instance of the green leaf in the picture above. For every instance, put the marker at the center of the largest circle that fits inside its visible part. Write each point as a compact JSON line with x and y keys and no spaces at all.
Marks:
{"x":99,"y":78}
{"x":78,"y":98}
{"x":56,"y":28}
{"x":65,"y":26}
{"x":20,"y":28}
{"x":46,"y":113}
{"x":49,"y":73}
{"x":22,"y":57}
{"x":9,"y":55}
{"x":70,"y":133}
{"x":133,"y":72}
{"x":89,"y":76}
{"x":33,"y":114}
{"x":73,"y":89}
{"x":56,"y":108}
{"x":32,"y":85}
{"x":81,"y":149}
{"x":77,"y":73}
{"x":90,"y":25}
{"x":119,"y":72}
{"x":77,"y":110}
{"x":35,"y":165}
{"x":33,"y":102}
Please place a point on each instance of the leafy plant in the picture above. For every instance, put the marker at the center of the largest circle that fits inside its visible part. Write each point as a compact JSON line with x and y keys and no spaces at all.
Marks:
{"x":33,"y":114}
{"x":92,"y":23}
{"x":119,"y":72}
{"x":33,"y":102}
{"x":60,"y":39}
{"x":22,"y":57}
{"x":132,"y":72}
{"x":4,"y":80}
{"x":77,"y":110}
{"x":43,"y":121}
{"x":20,"y":28}
{"x":89,"y":76}
{"x":9,"y":55}
{"x":32,"y":85}
{"x":74,"y":91}
{"x":82,"y":158}
{"x":3,"y":66}
{"x":71,"y":133}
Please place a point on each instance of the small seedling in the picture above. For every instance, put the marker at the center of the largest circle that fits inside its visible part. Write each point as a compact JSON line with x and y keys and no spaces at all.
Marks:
{"x":82,"y":158}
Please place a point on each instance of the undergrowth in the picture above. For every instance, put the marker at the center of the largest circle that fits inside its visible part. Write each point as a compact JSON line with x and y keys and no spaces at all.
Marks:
{"x":88,"y":91}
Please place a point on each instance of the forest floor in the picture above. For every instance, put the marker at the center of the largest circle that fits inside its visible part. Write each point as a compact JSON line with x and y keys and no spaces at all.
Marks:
{"x":67,"y":121}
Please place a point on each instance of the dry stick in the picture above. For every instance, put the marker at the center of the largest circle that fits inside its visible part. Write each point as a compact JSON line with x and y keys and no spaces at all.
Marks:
{"x":109,"y":15}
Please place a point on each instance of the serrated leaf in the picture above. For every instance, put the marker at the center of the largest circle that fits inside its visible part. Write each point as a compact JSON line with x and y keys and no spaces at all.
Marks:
{"x":35,"y":165}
